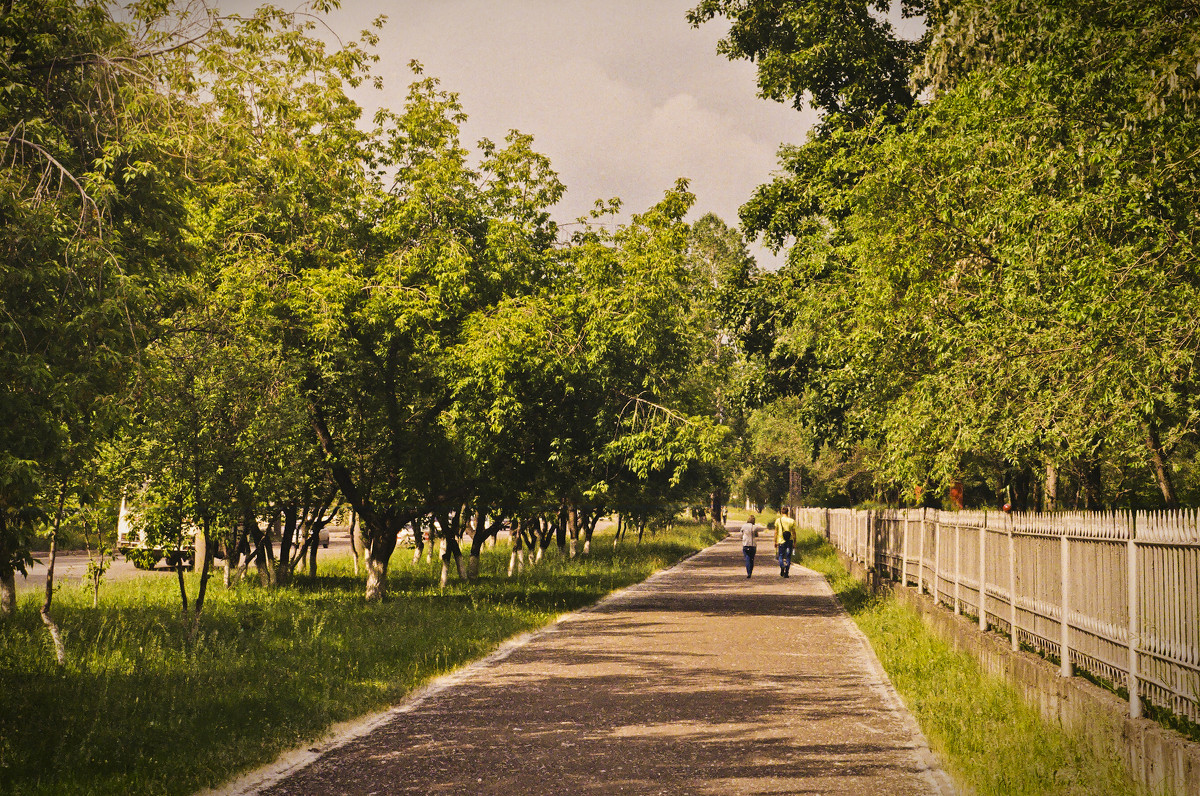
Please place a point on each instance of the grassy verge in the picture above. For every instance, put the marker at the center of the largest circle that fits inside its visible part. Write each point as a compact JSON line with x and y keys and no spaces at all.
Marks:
{"x":139,"y":710}
{"x":985,"y":734}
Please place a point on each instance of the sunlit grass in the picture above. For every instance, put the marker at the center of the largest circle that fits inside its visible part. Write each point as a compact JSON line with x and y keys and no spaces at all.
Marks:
{"x":987,"y":736}
{"x":139,"y":709}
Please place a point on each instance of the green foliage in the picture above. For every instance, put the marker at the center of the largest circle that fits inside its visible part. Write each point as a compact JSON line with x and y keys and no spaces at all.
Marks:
{"x":141,"y":558}
{"x":1000,"y":280}
{"x":840,"y":58}
{"x":92,"y":194}
{"x":594,"y":389}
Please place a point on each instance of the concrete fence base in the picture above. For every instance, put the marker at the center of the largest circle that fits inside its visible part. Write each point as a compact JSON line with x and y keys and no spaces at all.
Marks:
{"x":1159,"y":758}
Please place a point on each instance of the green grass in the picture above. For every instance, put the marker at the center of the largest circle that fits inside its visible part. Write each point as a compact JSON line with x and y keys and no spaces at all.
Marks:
{"x":990,"y":740}
{"x":137,"y":709}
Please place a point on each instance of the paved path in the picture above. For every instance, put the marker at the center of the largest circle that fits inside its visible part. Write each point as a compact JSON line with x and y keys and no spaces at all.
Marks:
{"x":698,"y":681}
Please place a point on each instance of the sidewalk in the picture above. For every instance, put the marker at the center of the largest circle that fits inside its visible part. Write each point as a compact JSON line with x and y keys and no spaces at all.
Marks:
{"x":697,"y":681}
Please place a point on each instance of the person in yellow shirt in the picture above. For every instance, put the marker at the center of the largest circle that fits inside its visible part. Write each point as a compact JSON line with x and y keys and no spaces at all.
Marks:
{"x":785,"y":543}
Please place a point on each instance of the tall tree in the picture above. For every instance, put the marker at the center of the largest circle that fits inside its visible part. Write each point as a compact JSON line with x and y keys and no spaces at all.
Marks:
{"x":1001,"y":275}
{"x":91,"y":204}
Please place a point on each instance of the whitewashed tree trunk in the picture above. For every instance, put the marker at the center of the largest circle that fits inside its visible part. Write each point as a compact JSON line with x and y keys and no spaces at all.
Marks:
{"x":376,"y":579}
{"x":473,"y":568}
{"x":60,"y":651}
{"x":571,"y":548}
{"x":512,"y":563}
{"x":445,"y":572}
{"x":587,"y":546}
{"x":8,"y":594}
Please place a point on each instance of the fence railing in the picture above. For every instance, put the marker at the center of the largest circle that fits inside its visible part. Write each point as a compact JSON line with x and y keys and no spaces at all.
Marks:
{"x":1115,"y":593}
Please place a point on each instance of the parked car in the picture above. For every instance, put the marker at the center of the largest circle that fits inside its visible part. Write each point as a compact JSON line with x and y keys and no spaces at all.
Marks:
{"x":145,"y":554}
{"x":324,"y":537}
{"x":405,"y":537}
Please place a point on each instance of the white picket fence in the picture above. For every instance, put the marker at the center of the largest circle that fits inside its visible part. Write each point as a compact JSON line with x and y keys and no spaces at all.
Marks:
{"x":1114,"y":593}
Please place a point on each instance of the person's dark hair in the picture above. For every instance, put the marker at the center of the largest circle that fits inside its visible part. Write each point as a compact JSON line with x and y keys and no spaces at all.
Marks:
{"x":751,"y":518}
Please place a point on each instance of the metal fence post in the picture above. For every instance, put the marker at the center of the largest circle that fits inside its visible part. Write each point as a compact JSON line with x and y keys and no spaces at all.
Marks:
{"x":1065,"y":667}
{"x":920,"y":555}
{"x":1012,"y":583}
{"x":1135,"y":622}
{"x":937,"y":558}
{"x":957,"y":567}
{"x":983,"y":623}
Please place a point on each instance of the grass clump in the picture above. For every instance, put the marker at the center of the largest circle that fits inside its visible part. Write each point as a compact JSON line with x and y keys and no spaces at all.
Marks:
{"x":990,"y":740}
{"x":140,"y":709}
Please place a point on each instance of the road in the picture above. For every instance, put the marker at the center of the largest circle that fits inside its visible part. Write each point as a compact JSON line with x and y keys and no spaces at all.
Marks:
{"x":70,"y":568}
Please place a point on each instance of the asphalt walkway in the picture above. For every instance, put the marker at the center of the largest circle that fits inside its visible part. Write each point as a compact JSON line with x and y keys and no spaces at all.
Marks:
{"x":697,"y":681}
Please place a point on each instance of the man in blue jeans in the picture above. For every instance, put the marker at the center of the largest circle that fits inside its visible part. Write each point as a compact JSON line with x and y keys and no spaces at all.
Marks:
{"x":749,"y":544}
{"x":785,"y":542}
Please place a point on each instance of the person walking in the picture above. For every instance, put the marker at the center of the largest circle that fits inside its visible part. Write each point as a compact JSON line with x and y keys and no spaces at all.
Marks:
{"x":749,"y":544}
{"x":785,"y":543}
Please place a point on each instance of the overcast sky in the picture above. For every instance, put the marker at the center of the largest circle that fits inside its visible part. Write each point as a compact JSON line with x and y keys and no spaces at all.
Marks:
{"x":623,"y":95}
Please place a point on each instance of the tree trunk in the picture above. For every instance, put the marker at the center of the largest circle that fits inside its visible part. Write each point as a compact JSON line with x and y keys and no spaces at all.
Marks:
{"x":1158,"y":462}
{"x":572,"y":528}
{"x":478,"y":540}
{"x":380,"y":530}
{"x":377,"y":576}
{"x":60,"y":651}
{"x":794,"y":487}
{"x":589,"y":528}
{"x":235,"y":564}
{"x":381,"y":542}
{"x":418,"y":541}
{"x":1092,"y":487}
{"x":264,"y":553}
{"x":355,"y":542}
{"x":286,"y":536}
{"x":1050,"y":490}
{"x":8,"y":592}
{"x":716,"y":504}
{"x":205,"y":572}
{"x":183,"y":598}
{"x":560,"y":529}
{"x":312,"y":551}
{"x":514,"y":537}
